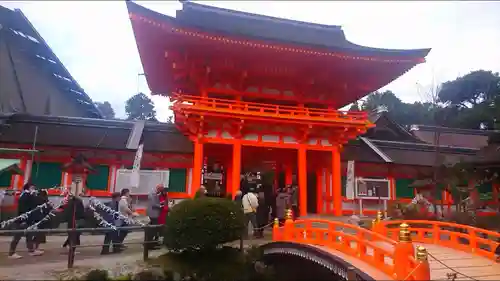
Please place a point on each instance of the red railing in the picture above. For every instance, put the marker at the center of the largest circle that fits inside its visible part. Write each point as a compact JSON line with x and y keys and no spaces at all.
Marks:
{"x":205,"y":104}
{"x":457,"y":236}
{"x":395,"y":259}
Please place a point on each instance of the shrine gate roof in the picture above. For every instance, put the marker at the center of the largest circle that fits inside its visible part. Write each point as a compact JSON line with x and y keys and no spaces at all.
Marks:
{"x":317,"y":61}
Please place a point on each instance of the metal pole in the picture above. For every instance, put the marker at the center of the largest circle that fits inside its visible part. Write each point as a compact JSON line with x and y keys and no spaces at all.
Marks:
{"x":145,"y":250}
{"x":33,"y":146}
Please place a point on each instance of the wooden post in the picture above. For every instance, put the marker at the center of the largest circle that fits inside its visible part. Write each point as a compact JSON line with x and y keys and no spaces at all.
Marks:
{"x":319,"y":191}
{"x":236,"y":168}
{"x":288,"y":174}
{"x":336,"y":183}
{"x":288,"y":227}
{"x":276,"y":230}
{"x":402,"y":251}
{"x":423,"y":271}
{"x":302,"y":173}
{"x":229,"y":177}
{"x":197,"y":166}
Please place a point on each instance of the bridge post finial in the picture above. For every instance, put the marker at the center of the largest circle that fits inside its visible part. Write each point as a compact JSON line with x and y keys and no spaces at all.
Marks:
{"x":404,"y":233}
{"x":289,"y":214}
{"x":380,"y":216}
{"x":276,"y":230}
{"x":288,"y":228}
{"x":403,"y":250}
{"x":421,"y":253}
{"x":422,"y":271}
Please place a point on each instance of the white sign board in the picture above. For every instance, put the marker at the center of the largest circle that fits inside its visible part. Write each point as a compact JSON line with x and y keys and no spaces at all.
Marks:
{"x":147,"y":180}
{"x":135,"y":177}
{"x":351,"y":180}
{"x":367,"y":188}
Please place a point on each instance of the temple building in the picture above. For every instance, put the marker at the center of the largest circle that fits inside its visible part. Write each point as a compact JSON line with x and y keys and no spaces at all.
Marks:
{"x":250,"y":94}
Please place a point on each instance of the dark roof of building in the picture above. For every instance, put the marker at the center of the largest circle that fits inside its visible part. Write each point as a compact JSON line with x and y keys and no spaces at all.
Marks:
{"x":422,"y":154}
{"x":488,"y":155}
{"x":248,"y":25}
{"x":452,"y":136}
{"x":387,"y":129}
{"x":89,"y":133}
{"x":22,"y":35}
{"x":164,"y":137}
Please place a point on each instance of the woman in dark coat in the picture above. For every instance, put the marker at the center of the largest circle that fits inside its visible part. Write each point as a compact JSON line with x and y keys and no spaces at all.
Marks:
{"x":42,"y":197}
{"x":262,"y":213}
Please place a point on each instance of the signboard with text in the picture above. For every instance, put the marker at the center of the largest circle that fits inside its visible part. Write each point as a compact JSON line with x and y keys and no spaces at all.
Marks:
{"x":367,"y":188}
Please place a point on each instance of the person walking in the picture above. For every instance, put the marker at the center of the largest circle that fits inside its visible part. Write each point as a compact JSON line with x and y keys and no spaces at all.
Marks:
{"x":282,"y":204}
{"x":27,"y":202}
{"x":153,"y":212}
{"x":125,"y":209}
{"x":250,"y":204}
{"x":111,"y":237}
{"x":294,"y":200}
{"x":262,"y":214}
{"x":41,"y":198}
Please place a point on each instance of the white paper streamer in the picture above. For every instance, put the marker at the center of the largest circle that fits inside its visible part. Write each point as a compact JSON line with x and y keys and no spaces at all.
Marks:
{"x":116,"y":215}
{"x":26,"y":215}
{"x":48,"y":217}
{"x":101,"y":221}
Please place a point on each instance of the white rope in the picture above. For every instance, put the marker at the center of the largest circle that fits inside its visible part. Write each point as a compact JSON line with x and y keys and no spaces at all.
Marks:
{"x":116,"y":215}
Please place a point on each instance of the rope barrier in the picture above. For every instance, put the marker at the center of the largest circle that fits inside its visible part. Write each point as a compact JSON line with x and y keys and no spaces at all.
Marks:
{"x":455,"y":271}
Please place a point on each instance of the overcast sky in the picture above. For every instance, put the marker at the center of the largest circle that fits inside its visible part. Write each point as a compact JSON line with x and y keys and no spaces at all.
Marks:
{"x":95,"y":42}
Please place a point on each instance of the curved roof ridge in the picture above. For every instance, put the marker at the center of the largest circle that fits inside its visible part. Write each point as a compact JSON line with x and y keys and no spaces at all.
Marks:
{"x":230,"y":12}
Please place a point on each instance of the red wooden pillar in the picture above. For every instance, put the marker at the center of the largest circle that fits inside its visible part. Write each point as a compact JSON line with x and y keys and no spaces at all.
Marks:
{"x":236,"y":168}
{"x":197,"y":166}
{"x":229,"y":176}
{"x":302,"y":174}
{"x":277,"y":172}
{"x":319,"y":190}
{"x":288,"y":174}
{"x":336,"y":183}
{"x":328,"y":197}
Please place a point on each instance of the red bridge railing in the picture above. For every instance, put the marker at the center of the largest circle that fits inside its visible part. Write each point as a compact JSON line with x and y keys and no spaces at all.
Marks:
{"x":396,"y":258}
{"x":456,"y":236}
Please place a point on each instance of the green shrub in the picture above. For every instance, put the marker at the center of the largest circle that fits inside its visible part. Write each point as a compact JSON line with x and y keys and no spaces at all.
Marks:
{"x":148,"y":274}
{"x":222,"y":264}
{"x":97,"y":275}
{"x":203,"y":223}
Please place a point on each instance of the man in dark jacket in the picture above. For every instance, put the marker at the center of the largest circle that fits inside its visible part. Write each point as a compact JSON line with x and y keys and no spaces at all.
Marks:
{"x":110,"y":238}
{"x":27,"y":202}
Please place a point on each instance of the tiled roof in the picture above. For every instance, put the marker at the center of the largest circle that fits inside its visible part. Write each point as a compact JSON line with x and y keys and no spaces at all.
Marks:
{"x":22,"y":35}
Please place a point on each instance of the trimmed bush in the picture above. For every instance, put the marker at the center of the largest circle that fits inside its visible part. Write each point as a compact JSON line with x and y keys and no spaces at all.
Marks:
{"x":203,"y":224}
{"x":149,"y":274}
{"x":222,"y":264}
{"x":97,"y":275}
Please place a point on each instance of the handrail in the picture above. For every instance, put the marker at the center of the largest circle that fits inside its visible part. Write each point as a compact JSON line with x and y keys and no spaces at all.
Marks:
{"x":183,"y":101}
{"x":452,"y":235}
{"x":381,"y":252}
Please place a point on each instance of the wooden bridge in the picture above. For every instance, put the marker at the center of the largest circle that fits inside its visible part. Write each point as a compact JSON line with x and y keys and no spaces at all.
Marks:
{"x":398,"y":250}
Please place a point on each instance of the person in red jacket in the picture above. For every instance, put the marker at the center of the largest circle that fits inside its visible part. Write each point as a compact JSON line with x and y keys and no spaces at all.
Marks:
{"x":164,"y":207}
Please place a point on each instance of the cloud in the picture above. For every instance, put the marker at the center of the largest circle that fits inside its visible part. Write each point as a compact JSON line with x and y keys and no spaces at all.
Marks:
{"x":96,"y":43}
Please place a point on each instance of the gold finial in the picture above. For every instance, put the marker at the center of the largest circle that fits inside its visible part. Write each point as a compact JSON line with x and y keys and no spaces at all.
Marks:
{"x":374,"y":222}
{"x":288,"y":214}
{"x":404,"y":233}
{"x":276,"y":222}
{"x":379,"y":216}
{"x":421,"y":254}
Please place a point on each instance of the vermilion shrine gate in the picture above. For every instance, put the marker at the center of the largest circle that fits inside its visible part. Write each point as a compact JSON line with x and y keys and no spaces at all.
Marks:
{"x":250,"y":89}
